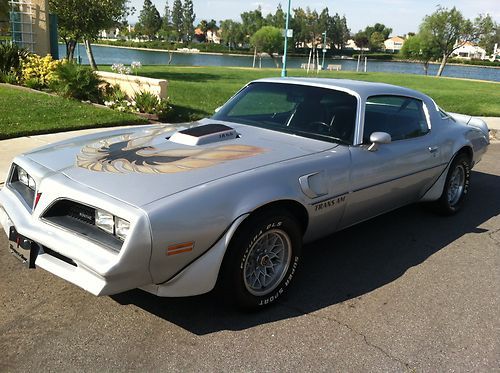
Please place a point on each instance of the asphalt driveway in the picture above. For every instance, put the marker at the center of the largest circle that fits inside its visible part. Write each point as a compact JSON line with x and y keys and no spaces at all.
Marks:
{"x":408,"y":291}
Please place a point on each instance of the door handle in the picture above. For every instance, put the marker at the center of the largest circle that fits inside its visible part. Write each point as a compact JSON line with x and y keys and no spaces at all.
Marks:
{"x":433,"y":149}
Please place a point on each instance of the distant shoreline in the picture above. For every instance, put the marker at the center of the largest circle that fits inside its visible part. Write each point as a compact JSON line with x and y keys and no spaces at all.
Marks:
{"x":172,"y":51}
{"x":251,"y":55}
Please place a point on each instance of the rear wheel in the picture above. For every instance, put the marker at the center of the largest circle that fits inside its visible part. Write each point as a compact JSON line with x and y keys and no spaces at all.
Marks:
{"x":261,"y":260}
{"x":456,"y":186}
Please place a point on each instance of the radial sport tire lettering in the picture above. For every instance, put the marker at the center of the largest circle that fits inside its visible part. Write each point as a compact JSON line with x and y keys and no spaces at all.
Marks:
{"x":243,"y":251}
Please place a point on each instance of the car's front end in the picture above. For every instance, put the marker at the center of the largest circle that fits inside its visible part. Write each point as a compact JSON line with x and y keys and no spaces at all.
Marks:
{"x":53,"y":221}
{"x":141,"y":208}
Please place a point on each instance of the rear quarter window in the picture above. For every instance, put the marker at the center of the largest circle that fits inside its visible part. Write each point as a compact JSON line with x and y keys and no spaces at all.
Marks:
{"x":400,"y":116}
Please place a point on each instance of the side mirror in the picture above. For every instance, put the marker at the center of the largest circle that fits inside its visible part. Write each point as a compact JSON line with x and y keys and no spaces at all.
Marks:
{"x":377,"y":138}
{"x":217,"y":109}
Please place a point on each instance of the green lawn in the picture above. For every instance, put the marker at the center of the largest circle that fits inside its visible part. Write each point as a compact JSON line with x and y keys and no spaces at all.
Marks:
{"x":196,"y":91}
{"x":26,"y":113}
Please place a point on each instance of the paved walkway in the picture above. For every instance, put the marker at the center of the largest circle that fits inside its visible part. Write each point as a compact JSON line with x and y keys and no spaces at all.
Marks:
{"x":11,"y":147}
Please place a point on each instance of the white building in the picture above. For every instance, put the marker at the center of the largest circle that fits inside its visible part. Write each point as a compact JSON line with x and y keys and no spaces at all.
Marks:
{"x":213,"y":37}
{"x":470,"y":51}
{"x":110,"y":33}
{"x":352,"y":45}
{"x":394,"y":44}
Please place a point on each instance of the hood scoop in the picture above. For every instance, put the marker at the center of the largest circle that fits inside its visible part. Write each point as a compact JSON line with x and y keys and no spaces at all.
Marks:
{"x":205,"y":134}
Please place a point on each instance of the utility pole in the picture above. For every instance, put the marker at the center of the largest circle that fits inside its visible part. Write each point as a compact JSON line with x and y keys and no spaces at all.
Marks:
{"x":283,"y":71}
{"x":324,"y":51}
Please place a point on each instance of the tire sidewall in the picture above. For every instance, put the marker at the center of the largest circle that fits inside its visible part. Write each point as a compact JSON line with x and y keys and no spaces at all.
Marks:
{"x":241,"y":247}
{"x":460,"y":160}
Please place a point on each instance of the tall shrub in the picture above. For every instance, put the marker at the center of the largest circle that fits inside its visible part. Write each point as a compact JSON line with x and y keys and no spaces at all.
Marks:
{"x":77,"y":81}
{"x":11,"y":57}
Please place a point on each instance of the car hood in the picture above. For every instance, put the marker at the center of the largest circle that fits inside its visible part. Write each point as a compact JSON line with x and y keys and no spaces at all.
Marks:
{"x":142,"y":165}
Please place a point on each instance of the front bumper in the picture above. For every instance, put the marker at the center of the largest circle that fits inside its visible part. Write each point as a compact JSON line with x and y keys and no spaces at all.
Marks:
{"x":83,"y":262}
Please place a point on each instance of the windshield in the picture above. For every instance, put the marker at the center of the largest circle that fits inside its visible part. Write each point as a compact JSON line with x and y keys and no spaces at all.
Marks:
{"x":313,"y":112}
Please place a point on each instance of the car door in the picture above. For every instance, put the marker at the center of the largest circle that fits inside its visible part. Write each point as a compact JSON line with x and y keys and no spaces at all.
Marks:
{"x":397,"y":173}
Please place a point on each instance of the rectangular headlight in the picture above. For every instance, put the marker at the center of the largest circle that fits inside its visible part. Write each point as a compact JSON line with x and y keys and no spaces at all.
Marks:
{"x":22,"y":176}
{"x":121,"y":228}
{"x":31,"y":183}
{"x":105,"y":221}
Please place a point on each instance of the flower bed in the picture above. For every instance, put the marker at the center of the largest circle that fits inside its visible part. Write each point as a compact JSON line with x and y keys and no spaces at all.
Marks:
{"x":117,"y":90}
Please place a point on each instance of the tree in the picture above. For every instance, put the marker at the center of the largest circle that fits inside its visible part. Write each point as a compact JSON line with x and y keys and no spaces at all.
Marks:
{"x":315,"y":26}
{"x":376,"y":41}
{"x":298,"y":24}
{"x":449,"y":30}
{"x":212,"y":25}
{"x":338,"y":31}
{"x":488,"y":41}
{"x":376,"y":35}
{"x":251,"y":22}
{"x":418,"y":48}
{"x":188,"y":19}
{"x":277,"y":19}
{"x":177,"y":19}
{"x":269,"y":40}
{"x":150,"y":19}
{"x":203,"y":26}
{"x":308,"y":26}
{"x":361,"y":40}
{"x":166,"y":23}
{"x":79,"y":20}
{"x":231,"y":32}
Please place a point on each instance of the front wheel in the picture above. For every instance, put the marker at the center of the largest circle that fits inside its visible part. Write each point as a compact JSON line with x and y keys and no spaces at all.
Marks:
{"x":456,"y":186}
{"x":261,"y":260}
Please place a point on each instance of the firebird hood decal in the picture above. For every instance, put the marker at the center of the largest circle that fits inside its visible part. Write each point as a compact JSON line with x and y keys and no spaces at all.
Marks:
{"x":126,"y":154}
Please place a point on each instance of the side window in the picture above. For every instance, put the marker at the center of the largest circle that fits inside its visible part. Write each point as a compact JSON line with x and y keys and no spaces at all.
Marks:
{"x":399,"y":116}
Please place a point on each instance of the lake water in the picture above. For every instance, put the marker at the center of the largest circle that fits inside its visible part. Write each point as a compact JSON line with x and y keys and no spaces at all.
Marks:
{"x":109,"y":55}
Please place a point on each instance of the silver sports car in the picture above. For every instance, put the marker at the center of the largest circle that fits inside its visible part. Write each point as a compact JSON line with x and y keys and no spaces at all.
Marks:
{"x":228,"y":201}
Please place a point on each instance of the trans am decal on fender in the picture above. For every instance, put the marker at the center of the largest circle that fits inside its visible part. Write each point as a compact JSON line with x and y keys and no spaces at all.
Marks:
{"x":126,"y":154}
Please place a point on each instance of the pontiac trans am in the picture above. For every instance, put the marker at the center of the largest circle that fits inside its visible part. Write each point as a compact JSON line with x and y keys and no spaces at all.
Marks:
{"x":228,"y":201}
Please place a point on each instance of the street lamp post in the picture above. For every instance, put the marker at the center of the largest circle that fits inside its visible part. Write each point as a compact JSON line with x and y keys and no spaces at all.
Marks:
{"x":283,"y":71}
{"x":324,"y":51}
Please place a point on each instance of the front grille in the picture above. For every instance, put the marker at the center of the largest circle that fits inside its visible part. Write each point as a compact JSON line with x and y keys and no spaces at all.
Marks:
{"x":73,"y":210}
{"x":80,"y":218}
{"x":81,"y":212}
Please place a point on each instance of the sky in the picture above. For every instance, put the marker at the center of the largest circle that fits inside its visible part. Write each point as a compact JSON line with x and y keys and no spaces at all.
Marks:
{"x":402,"y":16}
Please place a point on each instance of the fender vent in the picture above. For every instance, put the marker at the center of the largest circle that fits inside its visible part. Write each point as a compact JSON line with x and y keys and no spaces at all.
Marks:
{"x":205,"y":134}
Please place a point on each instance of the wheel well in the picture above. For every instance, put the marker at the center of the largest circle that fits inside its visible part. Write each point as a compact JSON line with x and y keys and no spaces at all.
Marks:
{"x":467,"y":151}
{"x":294,"y":207}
